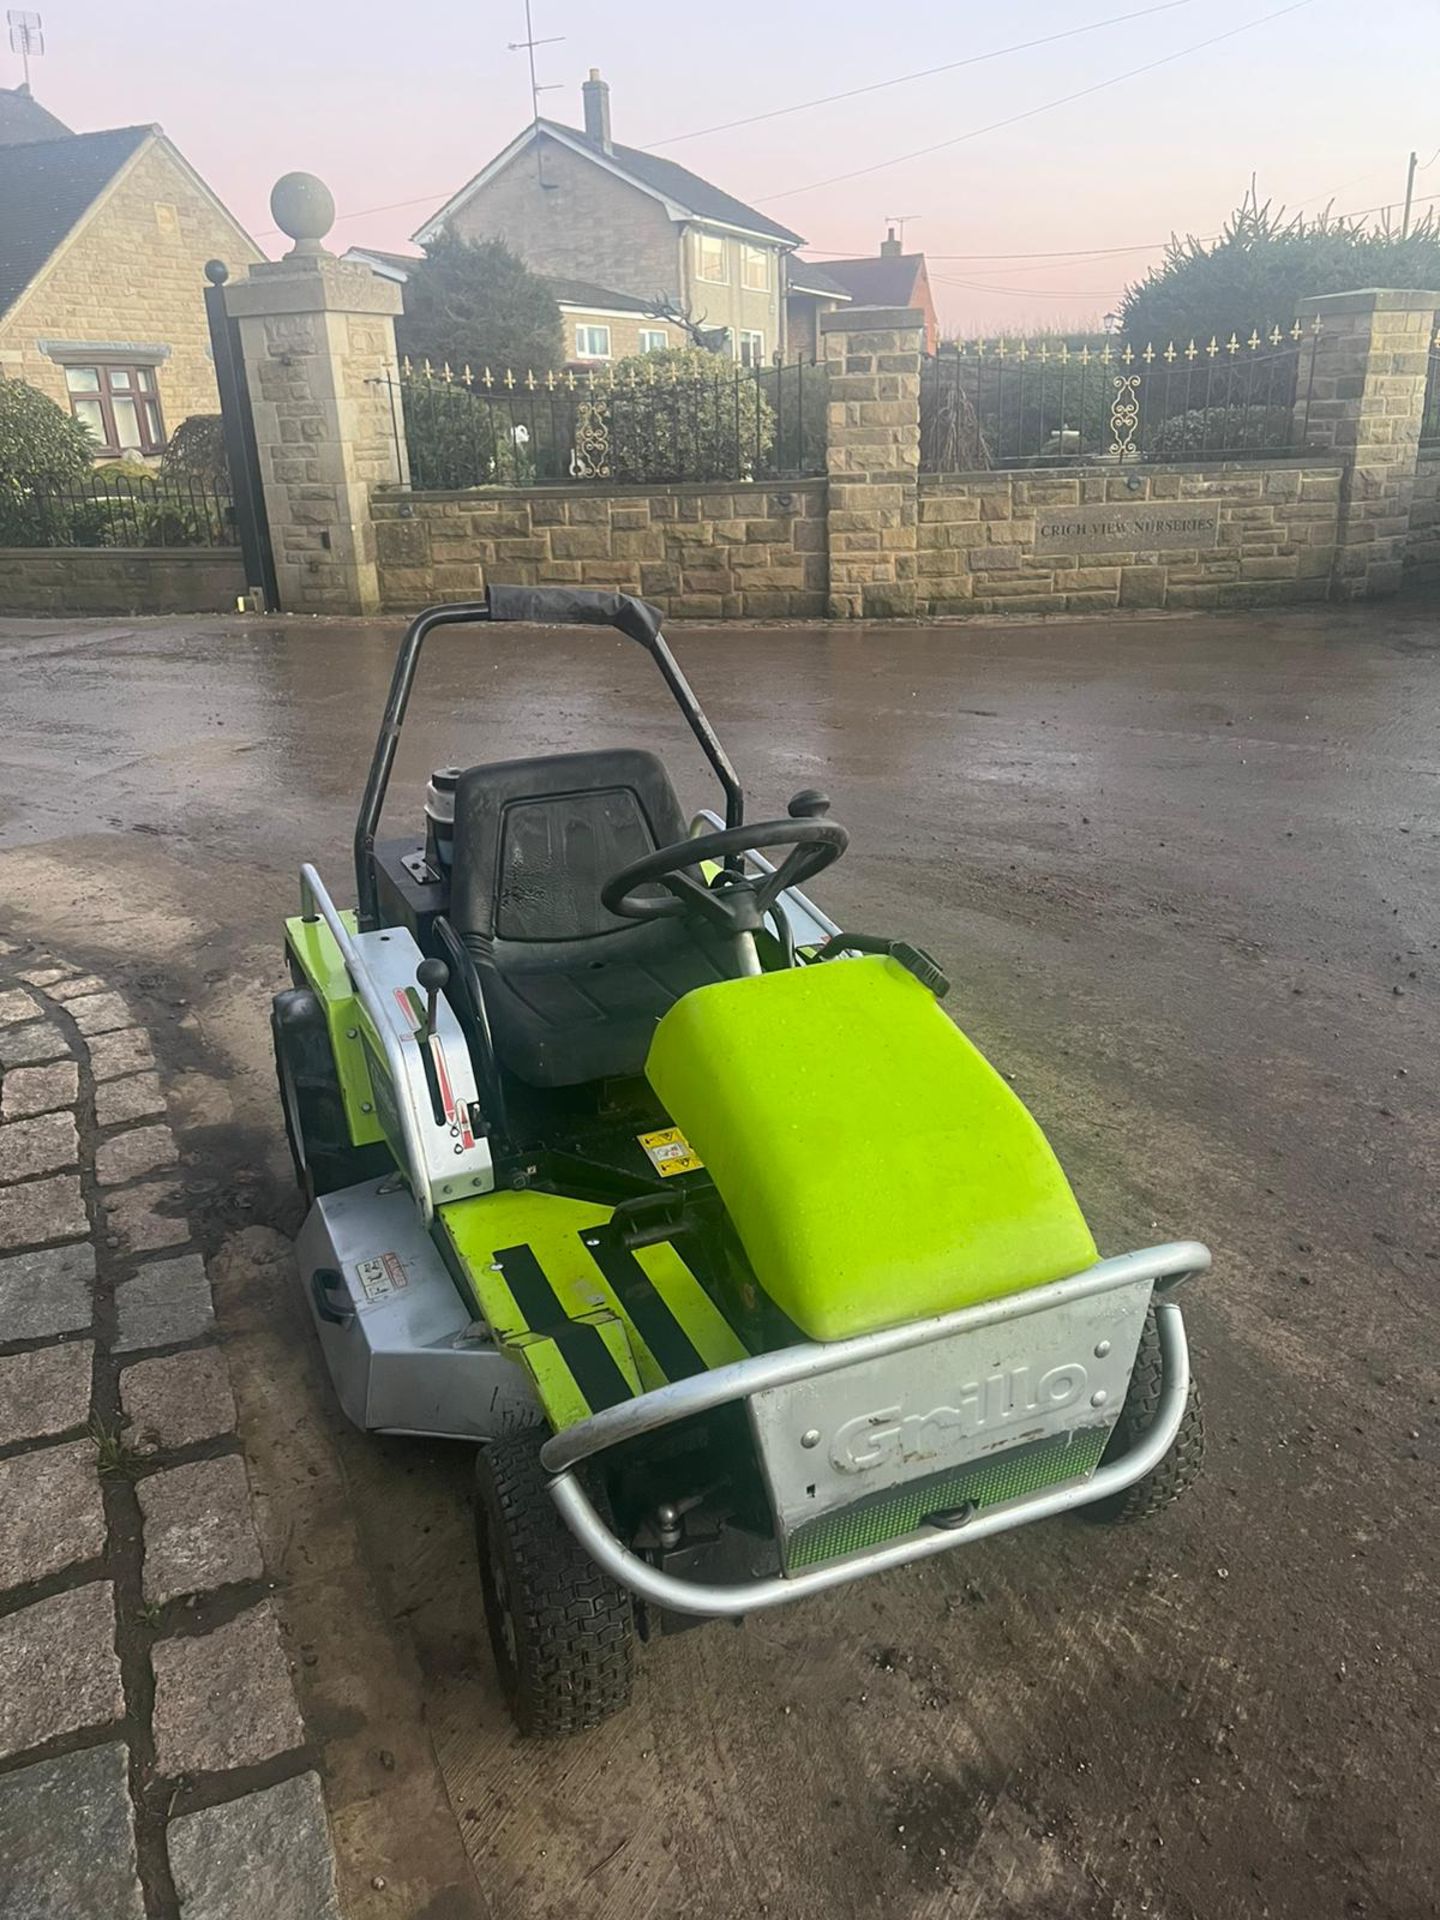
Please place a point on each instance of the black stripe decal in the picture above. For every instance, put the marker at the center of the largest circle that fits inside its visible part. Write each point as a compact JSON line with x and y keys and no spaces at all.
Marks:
{"x":539,"y":1304}
{"x":701,"y":1264}
{"x":582,"y":1348}
{"x":599,"y":1379}
{"x":654,"y":1320}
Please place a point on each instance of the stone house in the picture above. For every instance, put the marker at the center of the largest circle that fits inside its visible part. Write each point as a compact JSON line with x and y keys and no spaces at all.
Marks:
{"x":103,"y":243}
{"x":601,"y":324}
{"x":891,"y":278}
{"x":576,"y":205}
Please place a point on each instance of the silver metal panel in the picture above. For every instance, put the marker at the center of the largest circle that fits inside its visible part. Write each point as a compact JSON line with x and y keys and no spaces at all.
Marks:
{"x":831,"y":1440}
{"x":750,"y":1596}
{"x":456,"y":1160}
{"x":1164,"y":1266}
{"x":410,"y":1357}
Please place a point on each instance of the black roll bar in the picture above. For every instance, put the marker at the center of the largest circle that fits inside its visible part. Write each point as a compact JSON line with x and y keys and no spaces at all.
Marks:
{"x":543,"y":606}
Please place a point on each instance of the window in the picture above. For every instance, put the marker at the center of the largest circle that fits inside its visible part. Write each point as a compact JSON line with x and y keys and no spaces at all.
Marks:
{"x":119,"y":405}
{"x":592,"y":343}
{"x":755,"y":269}
{"x":653,"y":340}
{"x":710,"y":257}
{"x":752,"y":349}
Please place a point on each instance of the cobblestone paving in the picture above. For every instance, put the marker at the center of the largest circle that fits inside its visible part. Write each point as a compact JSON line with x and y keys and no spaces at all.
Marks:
{"x":153,"y":1763}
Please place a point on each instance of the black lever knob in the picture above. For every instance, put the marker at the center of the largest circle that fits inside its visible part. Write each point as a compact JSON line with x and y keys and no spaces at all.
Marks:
{"x":809,"y":804}
{"x":432,"y":977}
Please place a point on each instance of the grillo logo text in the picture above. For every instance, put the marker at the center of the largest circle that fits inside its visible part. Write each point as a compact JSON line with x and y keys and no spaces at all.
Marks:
{"x":891,"y":1436}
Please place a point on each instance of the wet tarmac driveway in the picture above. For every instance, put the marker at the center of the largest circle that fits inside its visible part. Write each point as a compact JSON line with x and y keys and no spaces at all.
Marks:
{"x":1185,"y":875}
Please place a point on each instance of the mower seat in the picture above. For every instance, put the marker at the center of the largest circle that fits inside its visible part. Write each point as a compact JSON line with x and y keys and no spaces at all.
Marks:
{"x":572,"y":992}
{"x":876,"y":1167}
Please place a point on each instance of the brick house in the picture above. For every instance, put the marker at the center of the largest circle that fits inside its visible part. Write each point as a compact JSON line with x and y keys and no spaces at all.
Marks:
{"x":578,"y":206}
{"x":891,"y":278}
{"x":103,"y":242}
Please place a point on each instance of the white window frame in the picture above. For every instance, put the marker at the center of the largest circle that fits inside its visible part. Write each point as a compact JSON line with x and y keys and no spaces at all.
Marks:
{"x":721,"y":279}
{"x":748,"y":257}
{"x":755,"y":339}
{"x":654,"y":340}
{"x":584,"y":331}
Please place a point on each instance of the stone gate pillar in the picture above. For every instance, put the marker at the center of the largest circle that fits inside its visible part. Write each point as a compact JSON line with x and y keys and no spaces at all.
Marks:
{"x":317,"y":337}
{"x":873,"y":459}
{"x":1360,"y":393}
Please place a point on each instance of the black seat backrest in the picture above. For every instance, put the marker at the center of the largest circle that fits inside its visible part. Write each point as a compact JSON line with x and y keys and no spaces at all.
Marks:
{"x":535,"y":840}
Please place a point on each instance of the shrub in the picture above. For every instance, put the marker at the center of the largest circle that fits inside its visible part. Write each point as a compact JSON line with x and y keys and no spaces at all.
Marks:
{"x":457,"y":438}
{"x":684,"y":414}
{"x":1264,"y":262}
{"x":196,"y":449}
{"x":43,"y":451}
{"x":1185,"y":436}
{"x":476,"y":303}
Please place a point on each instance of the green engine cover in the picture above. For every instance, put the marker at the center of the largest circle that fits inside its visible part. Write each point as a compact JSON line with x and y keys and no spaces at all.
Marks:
{"x":876,"y":1167}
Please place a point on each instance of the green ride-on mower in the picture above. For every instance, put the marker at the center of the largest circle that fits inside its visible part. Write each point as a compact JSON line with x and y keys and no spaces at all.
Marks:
{"x":746,"y":1271}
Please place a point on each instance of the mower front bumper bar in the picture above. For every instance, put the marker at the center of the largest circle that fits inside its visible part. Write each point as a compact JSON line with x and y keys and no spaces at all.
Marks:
{"x":1165,"y":1266}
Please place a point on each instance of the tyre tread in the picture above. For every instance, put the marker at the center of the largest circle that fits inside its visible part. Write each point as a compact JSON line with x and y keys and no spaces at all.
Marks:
{"x":574,"y":1664}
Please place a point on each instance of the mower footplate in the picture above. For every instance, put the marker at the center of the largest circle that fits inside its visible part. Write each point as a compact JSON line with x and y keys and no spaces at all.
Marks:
{"x":592,"y":1321}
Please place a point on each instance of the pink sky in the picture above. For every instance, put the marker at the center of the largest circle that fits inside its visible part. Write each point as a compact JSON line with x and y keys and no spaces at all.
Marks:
{"x":402,"y":102}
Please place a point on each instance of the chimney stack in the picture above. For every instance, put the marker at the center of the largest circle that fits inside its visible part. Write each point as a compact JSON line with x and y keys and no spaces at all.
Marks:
{"x":597,"y":111}
{"x":889,"y":246}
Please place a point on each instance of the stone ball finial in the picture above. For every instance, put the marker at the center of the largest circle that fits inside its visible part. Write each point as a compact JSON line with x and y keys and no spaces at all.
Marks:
{"x":304,"y":208}
{"x":216,"y":272}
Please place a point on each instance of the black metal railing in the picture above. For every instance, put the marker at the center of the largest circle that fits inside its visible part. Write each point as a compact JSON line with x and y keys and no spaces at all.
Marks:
{"x":634,"y":426}
{"x":1053,"y":403}
{"x":108,"y":508}
{"x":1430,"y":414}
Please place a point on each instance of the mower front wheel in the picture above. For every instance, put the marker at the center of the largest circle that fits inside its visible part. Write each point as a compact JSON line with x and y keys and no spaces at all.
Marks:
{"x":1180,"y":1468}
{"x":561,"y":1631}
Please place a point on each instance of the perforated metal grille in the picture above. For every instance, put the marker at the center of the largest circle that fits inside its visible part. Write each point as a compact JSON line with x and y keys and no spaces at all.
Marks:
{"x":987,"y":1483}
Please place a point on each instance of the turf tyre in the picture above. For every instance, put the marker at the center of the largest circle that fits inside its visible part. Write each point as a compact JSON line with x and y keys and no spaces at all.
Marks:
{"x":562,"y":1631}
{"x":324,"y":1157}
{"x":1180,"y":1468}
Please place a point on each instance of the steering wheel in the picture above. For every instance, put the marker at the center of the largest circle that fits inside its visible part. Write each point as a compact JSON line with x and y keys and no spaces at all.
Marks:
{"x":737,"y":902}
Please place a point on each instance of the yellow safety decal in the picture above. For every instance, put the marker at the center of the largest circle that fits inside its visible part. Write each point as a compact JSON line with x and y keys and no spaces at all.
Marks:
{"x":670,"y":1152}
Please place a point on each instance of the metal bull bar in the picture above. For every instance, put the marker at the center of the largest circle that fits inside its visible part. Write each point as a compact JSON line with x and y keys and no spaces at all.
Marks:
{"x":1165,"y":1266}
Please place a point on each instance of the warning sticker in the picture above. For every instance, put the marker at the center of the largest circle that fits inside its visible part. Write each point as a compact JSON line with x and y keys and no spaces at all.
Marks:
{"x":382,"y":1276}
{"x":670,"y":1152}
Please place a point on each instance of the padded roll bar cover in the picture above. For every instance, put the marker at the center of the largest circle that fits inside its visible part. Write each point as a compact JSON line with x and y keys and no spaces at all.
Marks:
{"x":577,"y":606}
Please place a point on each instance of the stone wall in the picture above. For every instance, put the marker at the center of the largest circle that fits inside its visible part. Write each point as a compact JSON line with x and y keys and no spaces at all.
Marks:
{"x":1360,"y":392}
{"x":706,"y":551}
{"x":1422,"y":548}
{"x":120,"y":580}
{"x":1273,"y":539}
{"x":145,"y":245}
{"x":873,"y":458}
{"x":318,"y":339}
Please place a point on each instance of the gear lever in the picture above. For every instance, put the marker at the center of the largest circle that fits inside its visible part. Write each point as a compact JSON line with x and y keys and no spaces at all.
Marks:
{"x":432,"y":977}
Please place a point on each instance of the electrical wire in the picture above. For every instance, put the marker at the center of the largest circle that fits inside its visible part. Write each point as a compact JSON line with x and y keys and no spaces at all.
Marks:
{"x":1030,"y":113}
{"x":924,"y":73}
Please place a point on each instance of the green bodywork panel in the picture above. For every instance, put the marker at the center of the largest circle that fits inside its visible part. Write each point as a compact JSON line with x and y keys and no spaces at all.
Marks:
{"x":533,"y":1263}
{"x":876,"y":1167}
{"x":316,"y":954}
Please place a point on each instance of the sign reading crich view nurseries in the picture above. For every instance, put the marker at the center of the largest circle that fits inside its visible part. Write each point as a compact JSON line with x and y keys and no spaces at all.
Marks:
{"x":1119,"y":526}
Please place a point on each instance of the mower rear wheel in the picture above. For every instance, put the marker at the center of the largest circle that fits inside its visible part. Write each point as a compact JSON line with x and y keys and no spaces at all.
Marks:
{"x":562,"y":1632}
{"x":310,"y":1099}
{"x":1180,"y":1468}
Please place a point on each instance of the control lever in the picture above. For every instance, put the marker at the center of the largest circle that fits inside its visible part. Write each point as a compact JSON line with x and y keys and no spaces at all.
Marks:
{"x":432,"y":977}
